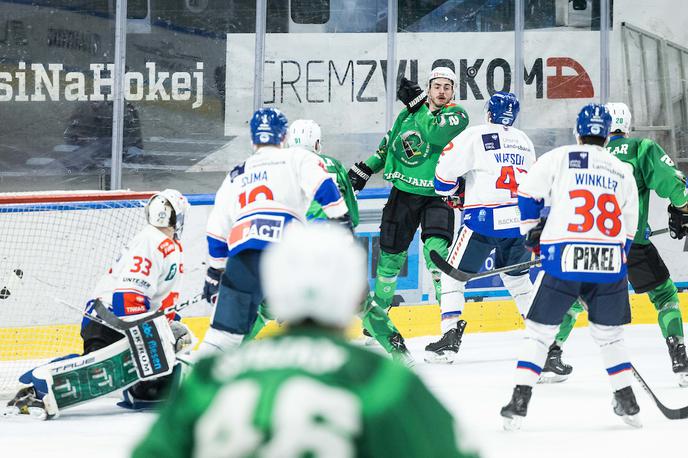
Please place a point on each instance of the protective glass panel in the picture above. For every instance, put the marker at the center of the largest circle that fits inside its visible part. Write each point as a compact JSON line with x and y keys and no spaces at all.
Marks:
{"x":561,"y":58}
{"x":53,"y":73}
{"x":175,"y":133}
{"x":331,"y":72}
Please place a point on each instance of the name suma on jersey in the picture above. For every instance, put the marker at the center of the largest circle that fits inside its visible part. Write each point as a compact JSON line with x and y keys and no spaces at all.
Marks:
{"x":254,"y":177}
{"x":601,"y":181}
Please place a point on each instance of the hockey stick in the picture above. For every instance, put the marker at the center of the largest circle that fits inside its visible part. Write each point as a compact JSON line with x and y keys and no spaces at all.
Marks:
{"x":462,"y":276}
{"x":671,"y":414}
{"x":659,"y":231}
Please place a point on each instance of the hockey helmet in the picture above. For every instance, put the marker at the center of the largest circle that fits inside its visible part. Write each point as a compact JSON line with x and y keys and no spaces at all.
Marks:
{"x":302,"y":283}
{"x":503,"y":107}
{"x":442,"y":72}
{"x":167,"y":209}
{"x":305,"y":133}
{"x":593,"y":121}
{"x":621,"y":117}
{"x":268,"y":126}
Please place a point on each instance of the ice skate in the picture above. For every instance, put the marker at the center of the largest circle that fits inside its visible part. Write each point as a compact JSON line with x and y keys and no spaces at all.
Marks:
{"x":444,"y":351}
{"x":369,"y":340}
{"x":626,"y":407}
{"x":400,"y":352}
{"x":515,"y":411}
{"x":555,"y":369}
{"x":679,"y":360}
{"x":26,"y":402}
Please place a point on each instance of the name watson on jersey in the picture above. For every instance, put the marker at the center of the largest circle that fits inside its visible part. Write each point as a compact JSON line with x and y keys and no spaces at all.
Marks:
{"x":72,"y":86}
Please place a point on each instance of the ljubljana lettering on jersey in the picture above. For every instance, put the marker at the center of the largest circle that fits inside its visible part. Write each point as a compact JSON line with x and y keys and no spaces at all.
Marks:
{"x":493,"y":159}
{"x":593,"y":214}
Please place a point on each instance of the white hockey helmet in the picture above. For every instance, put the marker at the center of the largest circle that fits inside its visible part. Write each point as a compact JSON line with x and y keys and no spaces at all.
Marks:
{"x":442,"y":72}
{"x":621,"y":118}
{"x":305,"y":133}
{"x":317,"y":272}
{"x":167,"y":209}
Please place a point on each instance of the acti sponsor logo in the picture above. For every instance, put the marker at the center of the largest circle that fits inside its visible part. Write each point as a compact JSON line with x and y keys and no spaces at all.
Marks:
{"x":38,"y":82}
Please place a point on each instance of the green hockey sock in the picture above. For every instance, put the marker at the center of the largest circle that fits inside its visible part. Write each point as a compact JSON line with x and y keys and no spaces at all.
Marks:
{"x":259,"y":324}
{"x":665,"y":299}
{"x":378,"y":324}
{"x":388,"y":268}
{"x":568,"y":323}
{"x":440,"y":245}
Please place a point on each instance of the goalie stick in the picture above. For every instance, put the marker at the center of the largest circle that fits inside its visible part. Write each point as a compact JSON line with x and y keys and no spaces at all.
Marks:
{"x":462,"y":276}
{"x":671,"y":414}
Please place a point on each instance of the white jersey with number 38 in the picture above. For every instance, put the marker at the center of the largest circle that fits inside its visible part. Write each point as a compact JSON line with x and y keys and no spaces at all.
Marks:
{"x":593,"y":215}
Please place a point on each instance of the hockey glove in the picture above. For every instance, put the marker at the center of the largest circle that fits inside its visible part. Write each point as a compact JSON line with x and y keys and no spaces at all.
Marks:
{"x":532,"y":242}
{"x":345,"y":222}
{"x":183,"y":337}
{"x":456,"y":199}
{"x":212,"y":285}
{"x":359,"y":174}
{"x":678,"y":221}
{"x":411,"y":95}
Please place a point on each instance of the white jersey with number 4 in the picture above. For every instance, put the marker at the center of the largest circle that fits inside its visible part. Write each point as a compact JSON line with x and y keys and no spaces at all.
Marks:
{"x":146,"y":275}
{"x":593,"y":215}
{"x":493,"y":159}
{"x":260,"y":197}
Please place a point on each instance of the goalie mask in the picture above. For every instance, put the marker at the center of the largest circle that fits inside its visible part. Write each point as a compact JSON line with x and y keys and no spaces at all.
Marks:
{"x":167,"y":209}
{"x":301,"y":281}
{"x":305,"y":133}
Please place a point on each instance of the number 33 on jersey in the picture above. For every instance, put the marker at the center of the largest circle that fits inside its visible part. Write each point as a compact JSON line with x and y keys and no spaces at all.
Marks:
{"x":594,"y":212}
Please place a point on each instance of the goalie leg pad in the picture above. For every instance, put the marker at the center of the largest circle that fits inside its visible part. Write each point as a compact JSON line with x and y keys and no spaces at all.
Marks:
{"x":152,"y":347}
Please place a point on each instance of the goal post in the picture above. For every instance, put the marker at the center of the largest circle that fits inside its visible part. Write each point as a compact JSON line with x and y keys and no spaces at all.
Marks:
{"x":54,"y":246}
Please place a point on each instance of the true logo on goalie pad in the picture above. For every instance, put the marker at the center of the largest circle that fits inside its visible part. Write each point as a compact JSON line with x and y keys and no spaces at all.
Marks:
{"x":591,"y":258}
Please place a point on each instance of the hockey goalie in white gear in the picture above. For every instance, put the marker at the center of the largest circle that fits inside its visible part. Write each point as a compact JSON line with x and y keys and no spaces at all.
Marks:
{"x":144,"y":278}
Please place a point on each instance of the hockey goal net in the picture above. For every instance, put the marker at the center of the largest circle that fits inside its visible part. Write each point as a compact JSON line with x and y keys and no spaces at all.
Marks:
{"x":54,"y":247}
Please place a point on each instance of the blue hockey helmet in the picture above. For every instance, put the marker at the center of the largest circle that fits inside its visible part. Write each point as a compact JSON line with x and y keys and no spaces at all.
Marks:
{"x":593,"y":120}
{"x":268,"y":126}
{"x":503,"y":108}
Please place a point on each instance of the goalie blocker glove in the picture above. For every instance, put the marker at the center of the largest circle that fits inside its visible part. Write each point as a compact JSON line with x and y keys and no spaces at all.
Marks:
{"x":212,"y":285}
{"x":678,"y":222}
{"x":411,"y":95}
{"x":359,"y":174}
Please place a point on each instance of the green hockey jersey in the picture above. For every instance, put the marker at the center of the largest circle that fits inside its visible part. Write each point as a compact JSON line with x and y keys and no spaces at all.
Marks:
{"x":339,"y":175}
{"x":410,"y":150}
{"x":654,"y":170}
{"x":306,"y":393}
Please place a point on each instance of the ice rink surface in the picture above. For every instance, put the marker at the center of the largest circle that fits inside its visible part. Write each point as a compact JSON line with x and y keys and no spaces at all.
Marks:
{"x":570,"y":419}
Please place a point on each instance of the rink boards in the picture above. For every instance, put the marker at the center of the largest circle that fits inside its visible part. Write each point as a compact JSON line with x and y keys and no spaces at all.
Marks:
{"x":412,"y":321}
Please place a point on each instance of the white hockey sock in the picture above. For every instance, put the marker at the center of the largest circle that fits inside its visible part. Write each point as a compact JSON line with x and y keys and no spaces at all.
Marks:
{"x":521,"y":289}
{"x":533,"y":352}
{"x":452,"y":302}
{"x":614,"y":354}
